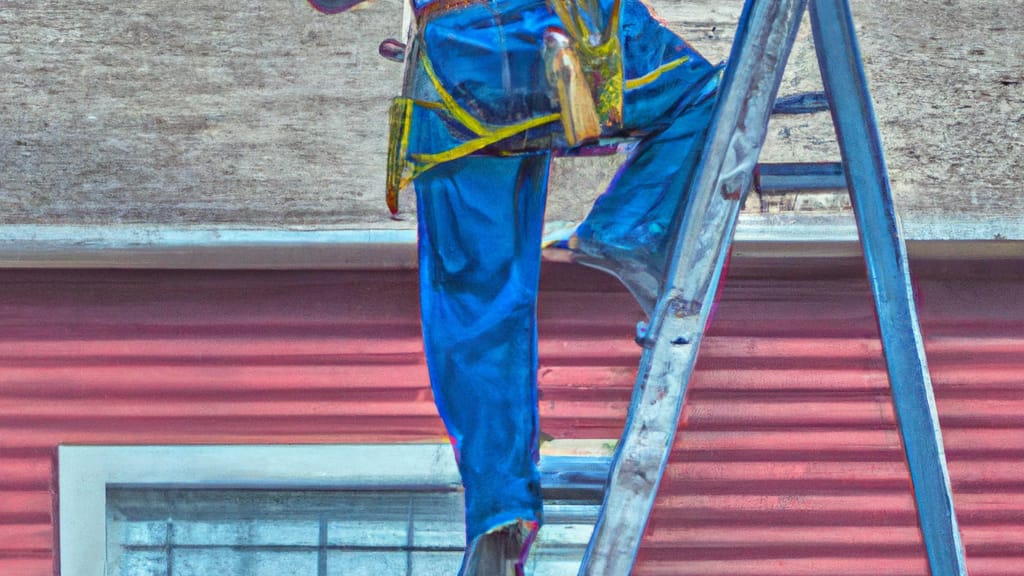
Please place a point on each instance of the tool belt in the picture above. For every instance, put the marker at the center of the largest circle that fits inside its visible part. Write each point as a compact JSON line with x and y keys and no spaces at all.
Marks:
{"x":583,"y":68}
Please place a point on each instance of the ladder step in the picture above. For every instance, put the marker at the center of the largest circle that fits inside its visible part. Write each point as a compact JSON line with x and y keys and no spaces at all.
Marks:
{"x":802,"y":103}
{"x":782,"y":178}
{"x":575,"y":477}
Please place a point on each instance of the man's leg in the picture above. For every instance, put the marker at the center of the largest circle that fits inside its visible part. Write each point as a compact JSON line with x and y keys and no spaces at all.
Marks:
{"x":669,"y":99}
{"x":480,"y":224}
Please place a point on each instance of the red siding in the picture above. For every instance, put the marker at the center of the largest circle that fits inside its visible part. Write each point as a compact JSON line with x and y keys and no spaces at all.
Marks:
{"x":788,"y":461}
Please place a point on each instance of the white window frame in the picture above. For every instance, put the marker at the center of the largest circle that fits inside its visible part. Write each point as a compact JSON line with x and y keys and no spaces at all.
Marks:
{"x":85,"y":472}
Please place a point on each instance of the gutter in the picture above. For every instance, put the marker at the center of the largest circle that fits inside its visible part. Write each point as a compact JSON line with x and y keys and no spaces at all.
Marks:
{"x":238,"y":247}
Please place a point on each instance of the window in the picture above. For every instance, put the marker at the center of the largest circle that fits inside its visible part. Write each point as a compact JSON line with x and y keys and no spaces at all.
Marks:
{"x":304,"y":510}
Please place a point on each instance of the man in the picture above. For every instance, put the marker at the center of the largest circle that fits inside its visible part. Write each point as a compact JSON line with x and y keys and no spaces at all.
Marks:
{"x":492,"y":87}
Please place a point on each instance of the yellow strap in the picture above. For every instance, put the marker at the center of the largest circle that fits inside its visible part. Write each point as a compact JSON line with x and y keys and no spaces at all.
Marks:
{"x":399,"y":119}
{"x":450,"y":104}
{"x":487,"y":135}
{"x":654,"y":74}
{"x":483,"y":141}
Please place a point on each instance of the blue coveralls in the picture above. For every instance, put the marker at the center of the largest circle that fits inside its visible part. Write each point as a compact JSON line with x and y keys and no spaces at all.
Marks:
{"x":481,"y":216}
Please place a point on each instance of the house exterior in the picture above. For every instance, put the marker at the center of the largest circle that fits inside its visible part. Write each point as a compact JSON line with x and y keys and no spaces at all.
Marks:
{"x":787,"y":460}
{"x":210,"y":358}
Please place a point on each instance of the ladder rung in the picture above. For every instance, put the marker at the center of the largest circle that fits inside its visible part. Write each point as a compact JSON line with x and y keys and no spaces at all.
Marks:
{"x":781,"y":178}
{"x":574,"y":477}
{"x":803,"y":103}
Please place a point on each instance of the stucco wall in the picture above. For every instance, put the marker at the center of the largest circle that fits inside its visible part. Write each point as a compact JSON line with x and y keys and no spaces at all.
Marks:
{"x":272,"y":115}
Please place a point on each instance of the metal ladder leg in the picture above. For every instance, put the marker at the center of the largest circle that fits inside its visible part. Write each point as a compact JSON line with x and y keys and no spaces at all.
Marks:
{"x":763,"y":40}
{"x":762,"y":44}
{"x":886,"y":256}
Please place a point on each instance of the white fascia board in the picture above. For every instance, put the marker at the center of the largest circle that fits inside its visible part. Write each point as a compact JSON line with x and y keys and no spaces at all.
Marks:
{"x":160,"y":246}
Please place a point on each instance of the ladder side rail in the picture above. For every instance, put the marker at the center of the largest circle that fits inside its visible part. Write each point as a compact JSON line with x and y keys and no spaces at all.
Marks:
{"x":888,"y":272}
{"x":764,"y":37}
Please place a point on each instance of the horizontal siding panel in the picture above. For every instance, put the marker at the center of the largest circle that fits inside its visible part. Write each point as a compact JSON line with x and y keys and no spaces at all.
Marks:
{"x":768,"y":539}
{"x":993,"y":541}
{"x":31,"y":565}
{"x":862,"y":565}
{"x":773,"y":444}
{"x":115,"y":379}
{"x":980,"y":565}
{"x":784,"y":444}
{"x":174,"y":432}
{"x":24,"y":507}
{"x":360,"y":348}
{"x":979,"y":380}
{"x":33,"y":434}
{"x":355,"y":405}
{"x":788,"y":461}
{"x":880,"y":474}
{"x":721,"y":410}
{"x":856,"y":508}
{"x":25,"y":474}
{"x":35,"y":539}
{"x":994,"y":507}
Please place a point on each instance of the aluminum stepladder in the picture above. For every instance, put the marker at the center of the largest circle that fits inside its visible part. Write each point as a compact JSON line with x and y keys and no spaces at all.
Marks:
{"x":764,"y":37}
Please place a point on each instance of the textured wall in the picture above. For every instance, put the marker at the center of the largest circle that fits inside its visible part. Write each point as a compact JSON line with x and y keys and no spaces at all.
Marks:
{"x":788,"y":460}
{"x":273,"y":115}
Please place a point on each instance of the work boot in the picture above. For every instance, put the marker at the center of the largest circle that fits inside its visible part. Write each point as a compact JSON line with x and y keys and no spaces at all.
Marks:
{"x":635,"y":269}
{"x":501,"y":552}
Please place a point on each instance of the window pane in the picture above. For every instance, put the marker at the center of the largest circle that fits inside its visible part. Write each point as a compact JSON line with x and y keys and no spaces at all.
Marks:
{"x":159,"y":532}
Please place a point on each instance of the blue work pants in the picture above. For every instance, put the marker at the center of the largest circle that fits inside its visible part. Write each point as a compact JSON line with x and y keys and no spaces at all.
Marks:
{"x":481,"y":219}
